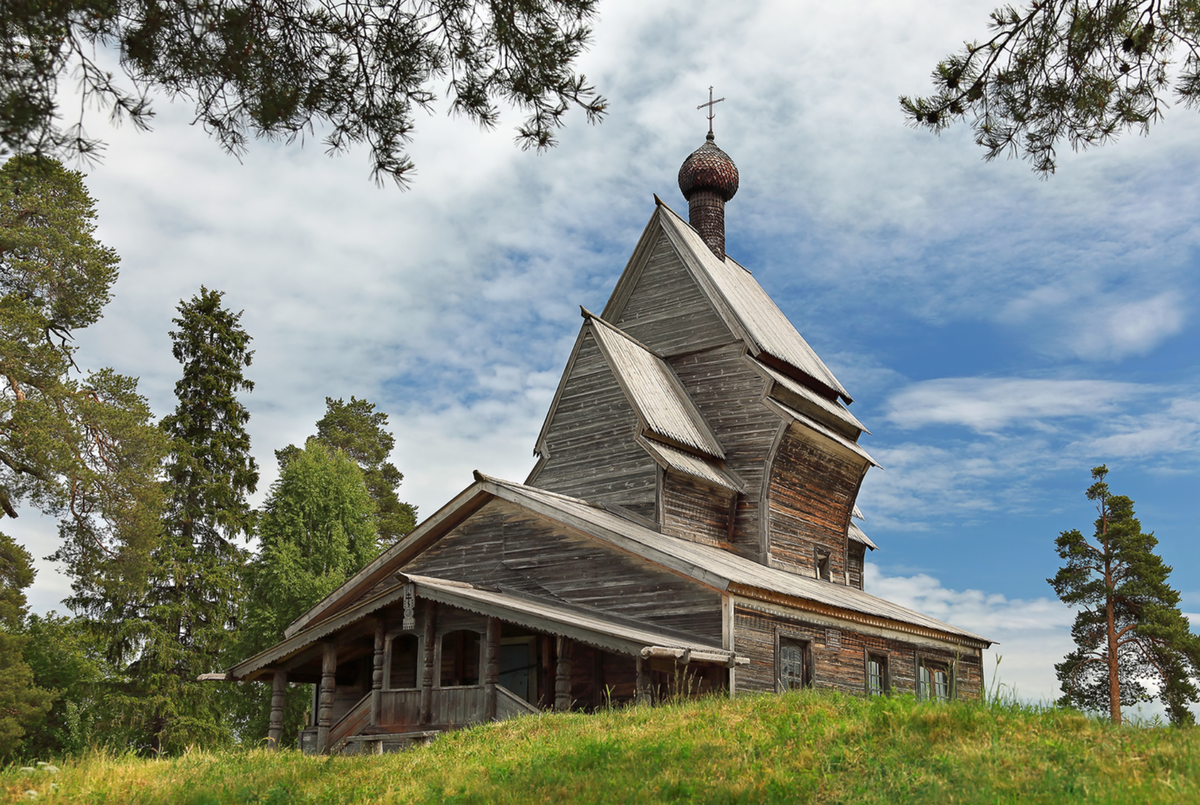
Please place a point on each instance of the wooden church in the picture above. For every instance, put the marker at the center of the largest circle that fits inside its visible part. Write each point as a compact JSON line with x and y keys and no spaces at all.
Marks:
{"x":689,"y":528}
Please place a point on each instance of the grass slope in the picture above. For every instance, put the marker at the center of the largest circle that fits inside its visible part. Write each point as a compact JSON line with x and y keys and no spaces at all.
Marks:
{"x":806,"y":747}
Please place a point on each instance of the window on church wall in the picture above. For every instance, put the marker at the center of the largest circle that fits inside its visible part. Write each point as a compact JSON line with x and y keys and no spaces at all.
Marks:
{"x":933,"y":681}
{"x":794,"y":664}
{"x":404,"y":662}
{"x":823,"y":564}
{"x":877,"y":675}
{"x":460,"y":658}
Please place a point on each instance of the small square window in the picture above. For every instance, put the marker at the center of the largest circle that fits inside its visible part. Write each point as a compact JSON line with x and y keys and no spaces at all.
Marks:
{"x":823,"y":565}
{"x":877,"y":675}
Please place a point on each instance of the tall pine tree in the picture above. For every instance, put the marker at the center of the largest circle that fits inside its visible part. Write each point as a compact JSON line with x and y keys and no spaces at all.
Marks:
{"x":196,"y":590}
{"x":1128,"y":628}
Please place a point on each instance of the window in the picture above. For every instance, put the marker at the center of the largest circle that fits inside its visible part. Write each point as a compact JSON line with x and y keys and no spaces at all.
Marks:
{"x":404,"y":662}
{"x":794,"y":670}
{"x":877,"y":675}
{"x":934,"y":681}
{"x":460,"y":658}
{"x":823,"y":562}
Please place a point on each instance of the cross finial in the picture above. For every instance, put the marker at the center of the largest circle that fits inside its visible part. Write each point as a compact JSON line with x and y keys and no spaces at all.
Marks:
{"x":711,"y":103}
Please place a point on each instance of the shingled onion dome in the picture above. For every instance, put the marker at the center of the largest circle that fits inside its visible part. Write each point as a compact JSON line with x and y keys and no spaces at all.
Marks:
{"x":708,"y":178}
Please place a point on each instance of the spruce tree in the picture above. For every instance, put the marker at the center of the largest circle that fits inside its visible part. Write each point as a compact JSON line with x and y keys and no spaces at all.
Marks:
{"x":1128,"y":629}
{"x":196,"y":590}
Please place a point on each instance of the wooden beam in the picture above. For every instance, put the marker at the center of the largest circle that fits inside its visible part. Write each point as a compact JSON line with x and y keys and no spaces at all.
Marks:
{"x":427,"y":675}
{"x":325,"y":704}
{"x":278,"y":689}
{"x":562,"y":676}
{"x":643,"y":681}
{"x":491,"y":670}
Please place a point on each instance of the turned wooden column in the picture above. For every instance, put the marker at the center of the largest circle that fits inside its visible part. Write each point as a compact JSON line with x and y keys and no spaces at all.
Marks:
{"x":377,"y":671}
{"x":325,"y":703}
{"x":427,"y":675}
{"x":562,"y":676}
{"x":643,"y":681}
{"x":278,"y":688}
{"x":491,"y":669}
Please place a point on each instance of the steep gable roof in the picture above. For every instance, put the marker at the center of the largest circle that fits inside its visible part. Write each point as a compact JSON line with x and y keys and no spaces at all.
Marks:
{"x":741,"y":302}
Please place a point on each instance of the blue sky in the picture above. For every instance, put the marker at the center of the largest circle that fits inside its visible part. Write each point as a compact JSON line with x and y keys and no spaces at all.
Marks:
{"x":1001,"y":335}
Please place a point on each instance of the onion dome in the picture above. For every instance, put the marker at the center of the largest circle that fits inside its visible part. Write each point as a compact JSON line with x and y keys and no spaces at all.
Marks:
{"x":708,"y":168}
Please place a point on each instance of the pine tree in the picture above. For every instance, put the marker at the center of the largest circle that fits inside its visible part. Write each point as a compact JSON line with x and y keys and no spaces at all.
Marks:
{"x":196,"y":590}
{"x":22,"y":702}
{"x":317,"y":528}
{"x":1128,"y":629}
{"x":361,"y":432}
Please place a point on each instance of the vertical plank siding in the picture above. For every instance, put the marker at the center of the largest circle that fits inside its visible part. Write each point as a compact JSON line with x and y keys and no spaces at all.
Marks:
{"x":855,"y":563}
{"x":590,"y":447}
{"x":841,"y":664}
{"x":812,"y":493}
{"x":506,"y":546}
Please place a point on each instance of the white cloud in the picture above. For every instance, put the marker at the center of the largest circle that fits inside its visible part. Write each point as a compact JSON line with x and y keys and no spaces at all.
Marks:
{"x":988,"y":404}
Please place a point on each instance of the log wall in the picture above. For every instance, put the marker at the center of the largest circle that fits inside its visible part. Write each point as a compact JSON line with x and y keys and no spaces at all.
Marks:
{"x":811,"y":496}
{"x":695,"y":511}
{"x":839,"y":656}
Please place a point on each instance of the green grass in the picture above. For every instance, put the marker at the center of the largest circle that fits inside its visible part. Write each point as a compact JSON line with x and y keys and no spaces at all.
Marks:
{"x":807,"y":747}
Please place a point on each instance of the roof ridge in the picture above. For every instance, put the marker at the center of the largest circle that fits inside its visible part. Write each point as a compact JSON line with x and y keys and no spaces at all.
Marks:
{"x":589,"y":315}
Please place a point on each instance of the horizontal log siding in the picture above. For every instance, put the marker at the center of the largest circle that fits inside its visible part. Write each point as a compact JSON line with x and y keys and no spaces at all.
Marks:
{"x":695,"y":511}
{"x":728,"y":394}
{"x":590,"y":447}
{"x":812,"y":494}
{"x":667,"y":311}
{"x":842,"y":668}
{"x":504,"y":545}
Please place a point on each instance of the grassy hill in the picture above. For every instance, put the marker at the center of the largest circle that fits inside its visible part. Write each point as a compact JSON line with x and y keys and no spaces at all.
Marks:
{"x":807,"y":747}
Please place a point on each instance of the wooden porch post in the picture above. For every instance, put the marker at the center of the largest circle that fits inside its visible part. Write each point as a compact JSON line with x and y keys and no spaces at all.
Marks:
{"x":278,"y":688}
{"x":377,"y":672}
{"x":427,"y":676}
{"x":325,"y":703}
{"x":491,"y":671}
{"x":562,"y":676}
{"x":643,"y":682}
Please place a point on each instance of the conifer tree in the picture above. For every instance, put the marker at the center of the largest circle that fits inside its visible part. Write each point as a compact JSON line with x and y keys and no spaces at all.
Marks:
{"x":1128,"y":628}
{"x":22,"y":702}
{"x":196,"y":590}
{"x":317,"y":528}
{"x":360,"y":431}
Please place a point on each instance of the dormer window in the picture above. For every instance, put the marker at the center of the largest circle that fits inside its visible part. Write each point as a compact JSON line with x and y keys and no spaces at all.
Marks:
{"x":822,"y":564}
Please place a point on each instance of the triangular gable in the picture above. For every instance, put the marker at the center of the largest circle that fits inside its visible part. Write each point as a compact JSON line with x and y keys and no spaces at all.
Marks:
{"x":748,"y":309}
{"x":653,"y":390}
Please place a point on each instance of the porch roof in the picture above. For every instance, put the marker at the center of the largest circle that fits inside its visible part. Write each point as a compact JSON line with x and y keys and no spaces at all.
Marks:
{"x":617,"y":635}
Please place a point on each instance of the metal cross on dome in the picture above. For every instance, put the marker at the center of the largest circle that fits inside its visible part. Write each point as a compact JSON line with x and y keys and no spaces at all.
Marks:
{"x":711,"y":103}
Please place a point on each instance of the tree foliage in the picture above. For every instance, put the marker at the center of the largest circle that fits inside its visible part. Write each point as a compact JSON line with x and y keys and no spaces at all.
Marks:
{"x":180,"y":628}
{"x":22,"y":701}
{"x":318,"y":527}
{"x":1128,"y":628}
{"x":79,"y":445}
{"x":1060,"y":70}
{"x":355,"y":69}
{"x":360,"y":431}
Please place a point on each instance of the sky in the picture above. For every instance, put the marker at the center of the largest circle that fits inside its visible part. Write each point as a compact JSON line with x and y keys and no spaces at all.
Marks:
{"x":1000,"y":334}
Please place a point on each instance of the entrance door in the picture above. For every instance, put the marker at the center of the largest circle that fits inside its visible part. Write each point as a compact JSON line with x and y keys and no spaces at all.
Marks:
{"x":518,"y":667}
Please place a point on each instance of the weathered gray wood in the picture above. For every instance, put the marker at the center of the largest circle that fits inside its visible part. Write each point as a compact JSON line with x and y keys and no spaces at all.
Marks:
{"x":491,"y":672}
{"x":562,"y":680}
{"x":643,"y":681}
{"x":325,"y":704}
{"x":428,"y":670}
{"x":278,"y":690}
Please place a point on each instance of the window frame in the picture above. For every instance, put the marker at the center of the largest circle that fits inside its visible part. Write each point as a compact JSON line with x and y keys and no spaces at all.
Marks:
{"x":805,"y":643}
{"x":885,"y":681}
{"x":927,"y":669}
{"x":823,"y":564}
